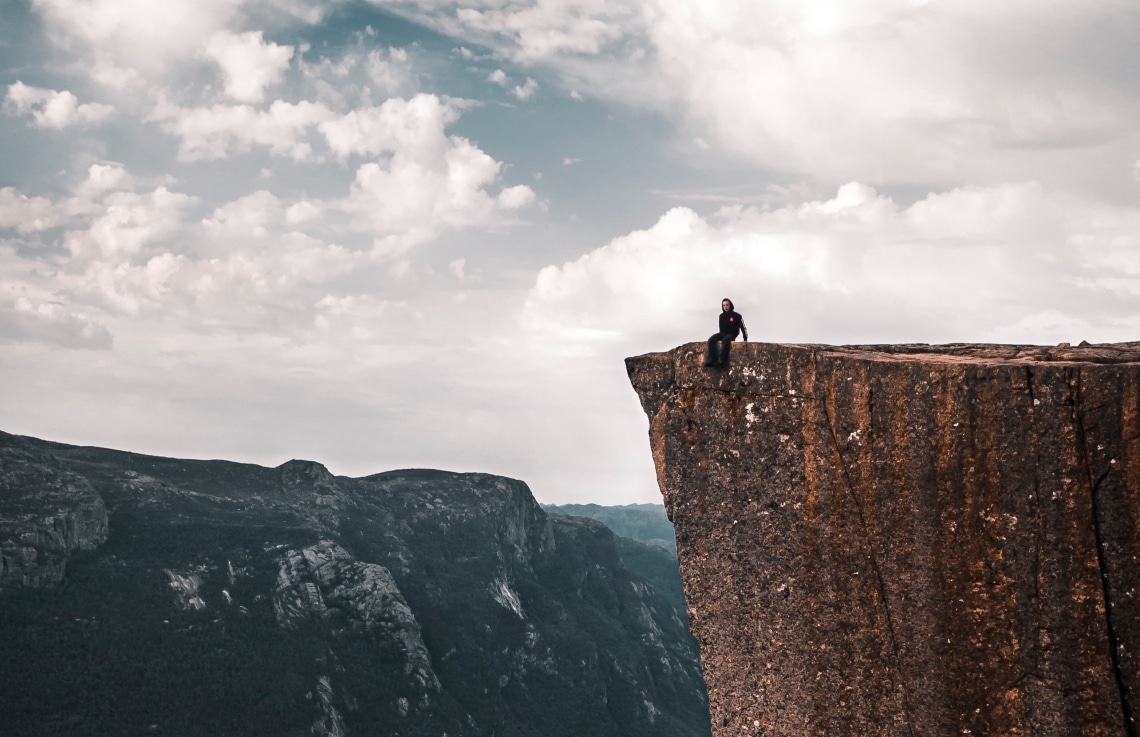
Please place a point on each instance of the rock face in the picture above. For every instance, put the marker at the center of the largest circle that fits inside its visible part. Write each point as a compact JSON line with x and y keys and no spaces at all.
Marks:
{"x":216,"y":598}
{"x":643,"y":531}
{"x":907,"y":540}
{"x":45,"y":514}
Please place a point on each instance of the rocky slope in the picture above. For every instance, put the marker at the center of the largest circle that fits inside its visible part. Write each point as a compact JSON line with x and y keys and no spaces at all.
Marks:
{"x":147,"y":595}
{"x":907,"y":540}
{"x":46,"y":514}
{"x":645,"y":541}
{"x":647,"y":523}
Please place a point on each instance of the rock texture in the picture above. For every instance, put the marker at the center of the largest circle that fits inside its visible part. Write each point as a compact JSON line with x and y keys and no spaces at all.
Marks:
{"x":215,"y":598}
{"x":907,"y":540}
{"x":45,"y":514}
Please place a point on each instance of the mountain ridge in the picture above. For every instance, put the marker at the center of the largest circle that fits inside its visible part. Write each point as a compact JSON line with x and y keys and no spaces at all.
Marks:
{"x":235,"y":599}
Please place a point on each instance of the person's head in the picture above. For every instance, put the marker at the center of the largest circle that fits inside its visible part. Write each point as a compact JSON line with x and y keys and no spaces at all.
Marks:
{"x":726,"y":305}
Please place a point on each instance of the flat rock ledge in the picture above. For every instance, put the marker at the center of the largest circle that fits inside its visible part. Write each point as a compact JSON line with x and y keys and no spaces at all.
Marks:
{"x":907,"y":540}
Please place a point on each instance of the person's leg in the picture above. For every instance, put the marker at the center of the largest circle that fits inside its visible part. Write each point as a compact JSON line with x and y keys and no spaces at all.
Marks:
{"x":726,"y":347}
{"x":711,"y":354}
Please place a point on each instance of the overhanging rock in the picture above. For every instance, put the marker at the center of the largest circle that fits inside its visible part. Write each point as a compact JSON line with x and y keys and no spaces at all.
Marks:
{"x":907,"y":540}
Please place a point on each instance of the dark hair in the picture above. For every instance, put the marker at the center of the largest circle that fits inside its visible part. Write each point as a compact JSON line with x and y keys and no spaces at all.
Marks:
{"x":731,"y":306}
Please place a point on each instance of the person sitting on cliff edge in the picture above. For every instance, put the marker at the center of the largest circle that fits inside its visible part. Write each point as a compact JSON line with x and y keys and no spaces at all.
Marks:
{"x":731,"y":325}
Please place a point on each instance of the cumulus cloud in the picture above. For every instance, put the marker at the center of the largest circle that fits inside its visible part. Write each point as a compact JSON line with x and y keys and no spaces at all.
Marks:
{"x":391,"y":72}
{"x":141,"y":254}
{"x":129,"y":221}
{"x":34,"y":214}
{"x":52,"y":323}
{"x":251,"y":215}
{"x":249,"y":63}
{"x":54,"y":108}
{"x":407,"y":199}
{"x":127,"y":42}
{"x":427,"y":180}
{"x":526,"y":90}
{"x":415,"y":127}
{"x":26,"y":214}
{"x":359,"y":75}
{"x":516,"y":197}
{"x":888,"y":90}
{"x":1010,"y":263}
{"x":218,"y":131}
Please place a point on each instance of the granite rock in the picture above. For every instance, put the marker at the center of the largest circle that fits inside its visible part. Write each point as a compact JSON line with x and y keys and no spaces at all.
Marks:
{"x":907,"y":540}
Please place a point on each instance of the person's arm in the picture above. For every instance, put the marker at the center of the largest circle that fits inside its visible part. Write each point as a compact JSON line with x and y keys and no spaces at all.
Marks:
{"x":743,"y":330}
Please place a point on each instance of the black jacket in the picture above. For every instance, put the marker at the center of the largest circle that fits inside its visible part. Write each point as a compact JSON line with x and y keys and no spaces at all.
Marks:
{"x":731,"y":323}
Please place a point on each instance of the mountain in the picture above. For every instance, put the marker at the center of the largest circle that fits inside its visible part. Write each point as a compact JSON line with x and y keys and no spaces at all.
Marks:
{"x":907,"y":540}
{"x":146,"y":595}
{"x":645,"y":522}
{"x":645,"y":541}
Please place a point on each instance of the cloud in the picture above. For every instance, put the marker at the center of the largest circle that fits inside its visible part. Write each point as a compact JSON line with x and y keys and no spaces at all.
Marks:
{"x":415,"y":127}
{"x":923,"y":92}
{"x":52,"y":323}
{"x":514,"y":198}
{"x":533,"y":31}
{"x":214,"y":132}
{"x":457,"y":267}
{"x":886,"y":91}
{"x":127,"y":42}
{"x":523,"y":91}
{"x":130,"y":221}
{"x":427,"y":180}
{"x":248,"y":62}
{"x":358,"y":75}
{"x":1010,"y":263}
{"x":26,"y":214}
{"x":418,"y":191}
{"x":53,"y":108}
{"x":252,"y":215}
{"x":391,"y":73}
{"x":111,"y":249}
{"x":526,"y":90}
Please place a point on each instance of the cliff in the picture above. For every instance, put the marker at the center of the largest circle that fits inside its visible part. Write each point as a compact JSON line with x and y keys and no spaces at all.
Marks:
{"x":216,"y":598}
{"x":907,"y":540}
{"x":46,"y":513}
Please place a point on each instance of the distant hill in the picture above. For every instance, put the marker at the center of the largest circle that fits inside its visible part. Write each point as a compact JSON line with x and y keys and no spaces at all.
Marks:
{"x":645,"y":522}
{"x":145,"y":595}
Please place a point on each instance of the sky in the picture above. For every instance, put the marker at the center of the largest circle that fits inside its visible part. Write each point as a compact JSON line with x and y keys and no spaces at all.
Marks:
{"x":423,"y":233}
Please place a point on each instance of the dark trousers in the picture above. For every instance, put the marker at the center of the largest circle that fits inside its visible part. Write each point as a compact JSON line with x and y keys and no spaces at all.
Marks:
{"x":719,"y":346}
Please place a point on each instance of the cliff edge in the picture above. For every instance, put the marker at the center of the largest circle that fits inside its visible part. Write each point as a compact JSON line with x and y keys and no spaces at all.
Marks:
{"x":907,"y":540}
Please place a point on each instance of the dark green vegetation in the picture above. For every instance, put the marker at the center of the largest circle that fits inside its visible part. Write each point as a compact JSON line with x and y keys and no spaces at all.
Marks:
{"x":229,"y":599}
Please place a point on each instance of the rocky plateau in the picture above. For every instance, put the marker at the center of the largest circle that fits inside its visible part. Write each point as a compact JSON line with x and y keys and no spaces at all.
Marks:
{"x":907,"y":540}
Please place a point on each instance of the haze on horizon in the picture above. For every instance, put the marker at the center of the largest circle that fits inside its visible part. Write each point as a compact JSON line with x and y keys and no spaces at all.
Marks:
{"x":423,"y":233}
